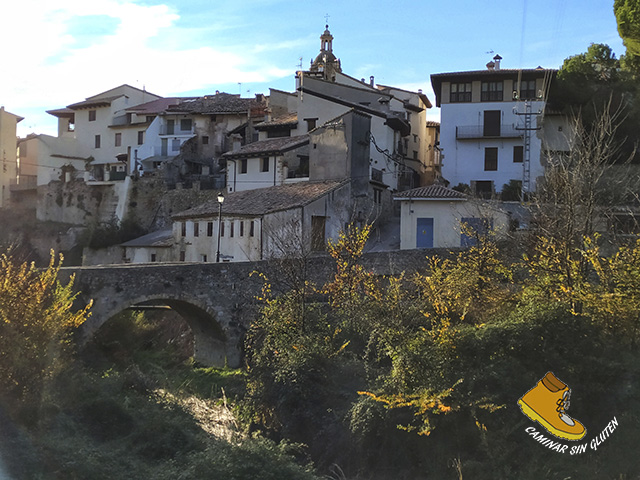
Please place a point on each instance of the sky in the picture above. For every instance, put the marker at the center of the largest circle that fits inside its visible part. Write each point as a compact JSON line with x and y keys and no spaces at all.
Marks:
{"x":58,"y":53}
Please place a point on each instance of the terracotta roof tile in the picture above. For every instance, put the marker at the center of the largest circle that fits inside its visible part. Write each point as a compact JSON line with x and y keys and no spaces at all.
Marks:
{"x":271,"y":146}
{"x":289,"y":119}
{"x":219,"y":103}
{"x":263,"y":200}
{"x":431,"y":192}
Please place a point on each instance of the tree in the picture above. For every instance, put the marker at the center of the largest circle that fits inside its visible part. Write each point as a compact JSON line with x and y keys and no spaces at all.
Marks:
{"x":37,"y":321}
{"x":628,"y":18}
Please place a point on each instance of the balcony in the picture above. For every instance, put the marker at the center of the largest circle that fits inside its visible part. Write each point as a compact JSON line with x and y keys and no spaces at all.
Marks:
{"x":470,"y":132}
{"x":23,"y":182}
{"x":175,"y":130}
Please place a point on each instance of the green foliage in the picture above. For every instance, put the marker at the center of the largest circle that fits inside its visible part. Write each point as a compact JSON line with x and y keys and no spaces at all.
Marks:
{"x":37,"y":321}
{"x":628,"y":18}
{"x":511,"y":191}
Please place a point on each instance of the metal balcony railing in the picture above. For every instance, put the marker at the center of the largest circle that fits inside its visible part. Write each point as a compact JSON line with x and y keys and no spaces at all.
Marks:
{"x":479,"y":131}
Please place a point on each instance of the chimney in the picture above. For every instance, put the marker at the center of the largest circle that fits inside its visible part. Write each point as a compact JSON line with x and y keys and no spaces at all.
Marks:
{"x":491,"y":66}
{"x":497,"y":59}
{"x":371,"y":80}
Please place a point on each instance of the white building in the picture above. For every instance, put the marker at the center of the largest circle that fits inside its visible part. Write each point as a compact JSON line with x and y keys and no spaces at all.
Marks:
{"x":433,"y":217}
{"x":8,"y":154}
{"x":263,"y":223}
{"x":490,"y":122}
{"x":102,"y":127}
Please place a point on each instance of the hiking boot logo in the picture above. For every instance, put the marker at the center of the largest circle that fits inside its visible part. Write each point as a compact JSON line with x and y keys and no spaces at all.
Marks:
{"x":547,"y":403}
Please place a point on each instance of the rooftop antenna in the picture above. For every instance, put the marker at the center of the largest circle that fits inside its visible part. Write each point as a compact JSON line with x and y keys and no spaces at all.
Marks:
{"x":300,"y":64}
{"x":240,"y":88}
{"x":326,"y":18}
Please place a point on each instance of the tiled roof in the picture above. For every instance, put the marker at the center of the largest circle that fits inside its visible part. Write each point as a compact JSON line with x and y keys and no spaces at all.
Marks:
{"x":263,"y":200}
{"x":432,"y":123}
{"x":431,"y":192}
{"x":61,"y":112}
{"x":160,"y":238}
{"x":289,"y":119}
{"x":270,"y":146}
{"x":157,"y":106}
{"x":502,"y":71}
{"x":219,"y":103}
{"x":97,"y":102}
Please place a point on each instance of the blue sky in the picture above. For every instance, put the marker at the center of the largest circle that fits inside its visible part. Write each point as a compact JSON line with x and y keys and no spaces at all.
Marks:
{"x":62,"y":52}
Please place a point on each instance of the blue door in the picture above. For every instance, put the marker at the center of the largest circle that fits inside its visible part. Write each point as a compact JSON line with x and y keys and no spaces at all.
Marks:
{"x":424,"y":234}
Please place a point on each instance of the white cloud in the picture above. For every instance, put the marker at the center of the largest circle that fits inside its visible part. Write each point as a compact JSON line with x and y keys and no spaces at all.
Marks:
{"x":52,"y":68}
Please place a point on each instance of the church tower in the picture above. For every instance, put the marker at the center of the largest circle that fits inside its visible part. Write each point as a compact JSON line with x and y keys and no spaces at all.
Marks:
{"x":326,"y":62}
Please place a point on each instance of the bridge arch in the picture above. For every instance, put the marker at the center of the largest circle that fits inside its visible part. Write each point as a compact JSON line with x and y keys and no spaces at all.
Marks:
{"x":213,"y":344}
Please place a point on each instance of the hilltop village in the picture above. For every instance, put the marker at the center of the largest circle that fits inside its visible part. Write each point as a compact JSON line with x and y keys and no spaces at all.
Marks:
{"x":132,"y":177}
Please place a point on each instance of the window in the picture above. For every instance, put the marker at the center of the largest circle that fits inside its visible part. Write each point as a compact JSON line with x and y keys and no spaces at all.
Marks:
{"x":243,"y":165}
{"x":377,"y":196}
{"x":460,"y":92}
{"x":318,"y":224}
{"x":311,"y":123}
{"x":118,"y":139}
{"x":185,"y":124}
{"x":97,"y":141}
{"x":150,"y":118}
{"x":491,"y":91}
{"x":153,"y":257}
{"x":92,"y":115}
{"x":528,"y":90}
{"x":251,"y":228}
{"x":209,"y":229}
{"x":170,"y":127}
{"x":473,"y":229}
{"x":183,"y":229}
{"x":203,"y":258}
{"x":183,"y":255}
{"x":231,"y":229}
{"x":490,"y":159}
{"x":491,"y":123}
{"x":483,"y":188}
{"x":175,"y":144}
{"x":415,"y":155}
{"x":140,"y":137}
{"x":222,"y":229}
{"x":518,"y":154}
{"x":265,"y":164}
{"x":205,"y":140}
{"x":241,"y":228}
{"x":196,"y":229}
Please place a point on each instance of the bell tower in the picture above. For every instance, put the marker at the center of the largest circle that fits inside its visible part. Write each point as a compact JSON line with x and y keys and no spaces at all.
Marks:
{"x":326,"y":62}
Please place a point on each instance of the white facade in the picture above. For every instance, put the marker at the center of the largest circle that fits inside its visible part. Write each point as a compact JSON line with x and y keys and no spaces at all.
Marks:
{"x":488,"y":118}
{"x":465,"y":147}
{"x":45,"y":159}
{"x":438,"y":222}
{"x":8,"y":153}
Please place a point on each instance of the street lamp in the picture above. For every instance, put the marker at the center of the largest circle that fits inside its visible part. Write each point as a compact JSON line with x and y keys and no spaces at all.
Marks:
{"x":220,"y":202}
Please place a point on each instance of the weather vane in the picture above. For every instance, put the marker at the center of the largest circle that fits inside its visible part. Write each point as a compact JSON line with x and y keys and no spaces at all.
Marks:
{"x":326,"y":19}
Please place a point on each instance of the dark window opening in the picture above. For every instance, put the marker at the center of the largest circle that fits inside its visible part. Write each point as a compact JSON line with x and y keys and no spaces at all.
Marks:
{"x":243,"y":165}
{"x":209,"y":229}
{"x":265,"y":164}
{"x":491,"y":126}
{"x":460,"y":92}
{"x":491,"y":92}
{"x":196,"y":229}
{"x":518,"y":154}
{"x":490,"y":159}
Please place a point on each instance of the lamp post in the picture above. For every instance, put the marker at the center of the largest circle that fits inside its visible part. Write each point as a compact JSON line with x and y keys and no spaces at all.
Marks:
{"x":220,"y":202}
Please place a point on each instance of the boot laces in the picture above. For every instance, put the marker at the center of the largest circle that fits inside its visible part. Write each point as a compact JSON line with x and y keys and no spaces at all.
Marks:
{"x":563,"y":403}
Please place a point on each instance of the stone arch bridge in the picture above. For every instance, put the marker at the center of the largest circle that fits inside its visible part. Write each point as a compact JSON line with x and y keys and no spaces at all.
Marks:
{"x":217,"y":300}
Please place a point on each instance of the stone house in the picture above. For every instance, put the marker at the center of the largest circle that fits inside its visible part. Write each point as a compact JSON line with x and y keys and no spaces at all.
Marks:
{"x":258,"y":224}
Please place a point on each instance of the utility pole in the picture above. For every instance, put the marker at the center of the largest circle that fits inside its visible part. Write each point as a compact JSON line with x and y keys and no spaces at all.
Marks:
{"x":526,"y":158}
